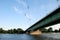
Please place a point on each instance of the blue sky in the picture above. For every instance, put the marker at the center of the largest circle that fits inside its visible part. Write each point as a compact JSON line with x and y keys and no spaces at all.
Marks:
{"x":24,"y":13}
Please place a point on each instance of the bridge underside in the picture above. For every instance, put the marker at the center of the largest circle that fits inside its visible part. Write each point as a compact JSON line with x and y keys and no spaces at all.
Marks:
{"x":51,"y":19}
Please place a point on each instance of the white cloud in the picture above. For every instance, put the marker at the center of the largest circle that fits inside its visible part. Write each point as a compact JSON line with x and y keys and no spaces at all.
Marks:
{"x":24,"y":4}
{"x":56,"y":26}
{"x":26,"y":13}
{"x":17,"y":10}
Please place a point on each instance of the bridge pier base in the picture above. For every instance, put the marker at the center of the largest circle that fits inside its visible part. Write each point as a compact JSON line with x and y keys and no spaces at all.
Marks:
{"x":37,"y":32}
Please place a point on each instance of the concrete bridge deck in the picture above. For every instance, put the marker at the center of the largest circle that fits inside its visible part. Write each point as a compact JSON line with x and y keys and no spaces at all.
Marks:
{"x":51,"y":19}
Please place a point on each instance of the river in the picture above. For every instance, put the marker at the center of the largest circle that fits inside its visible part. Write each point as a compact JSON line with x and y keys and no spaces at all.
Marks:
{"x":44,"y":36}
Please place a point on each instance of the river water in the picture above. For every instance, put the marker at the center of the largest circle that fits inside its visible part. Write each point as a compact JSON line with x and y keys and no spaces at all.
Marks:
{"x":45,"y":36}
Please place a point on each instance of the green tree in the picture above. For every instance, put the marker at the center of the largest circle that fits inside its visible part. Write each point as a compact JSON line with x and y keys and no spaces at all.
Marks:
{"x":43,"y":30}
{"x":56,"y":30}
{"x":1,"y":30}
{"x":10,"y":31}
{"x":59,"y":29}
{"x":14,"y":31}
{"x":50,"y":30}
{"x":19,"y":30}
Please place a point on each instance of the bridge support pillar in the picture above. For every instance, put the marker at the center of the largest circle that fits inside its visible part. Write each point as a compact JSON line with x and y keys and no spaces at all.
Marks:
{"x":37,"y":32}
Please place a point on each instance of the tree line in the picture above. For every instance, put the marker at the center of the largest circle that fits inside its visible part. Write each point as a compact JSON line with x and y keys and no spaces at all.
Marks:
{"x":12,"y":31}
{"x":49,"y":30}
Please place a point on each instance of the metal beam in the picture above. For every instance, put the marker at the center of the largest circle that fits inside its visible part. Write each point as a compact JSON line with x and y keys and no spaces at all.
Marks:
{"x":51,"y":19}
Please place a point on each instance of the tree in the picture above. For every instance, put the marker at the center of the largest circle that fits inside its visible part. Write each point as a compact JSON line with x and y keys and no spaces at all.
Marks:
{"x":59,"y":29}
{"x":14,"y":31}
{"x":43,"y":30}
{"x":56,"y":30}
{"x":1,"y":30}
{"x":19,"y":30}
{"x":10,"y":31}
{"x":50,"y":29}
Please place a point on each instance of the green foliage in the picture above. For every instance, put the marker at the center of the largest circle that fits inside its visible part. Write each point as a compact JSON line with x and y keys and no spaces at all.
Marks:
{"x":19,"y":30}
{"x":49,"y":30}
{"x":12,"y":31}
{"x":43,"y":30}
{"x":59,"y":29}
{"x":56,"y":30}
{"x":1,"y":30}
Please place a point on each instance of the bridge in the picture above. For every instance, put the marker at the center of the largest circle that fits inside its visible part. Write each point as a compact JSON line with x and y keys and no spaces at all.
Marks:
{"x":51,"y":19}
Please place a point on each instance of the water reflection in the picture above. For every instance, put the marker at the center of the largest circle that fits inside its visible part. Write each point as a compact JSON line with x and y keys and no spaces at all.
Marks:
{"x":16,"y":37}
{"x":26,"y":37}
